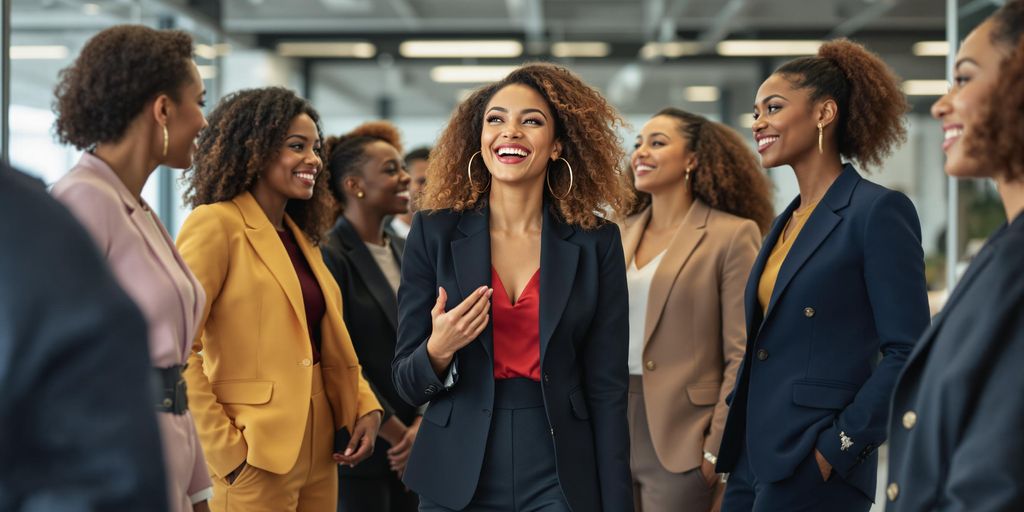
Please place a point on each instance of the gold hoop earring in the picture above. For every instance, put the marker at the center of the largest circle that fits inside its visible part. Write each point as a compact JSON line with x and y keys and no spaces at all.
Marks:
{"x":548,"y":179}
{"x":821,"y":135}
{"x":166,"y":140}
{"x":469,"y":173}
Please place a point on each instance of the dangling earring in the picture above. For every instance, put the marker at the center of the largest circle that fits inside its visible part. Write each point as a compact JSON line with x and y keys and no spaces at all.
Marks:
{"x":469,"y":173}
{"x":821,"y":134}
{"x":548,"y":179}
{"x":166,"y":140}
{"x":688,"y":169}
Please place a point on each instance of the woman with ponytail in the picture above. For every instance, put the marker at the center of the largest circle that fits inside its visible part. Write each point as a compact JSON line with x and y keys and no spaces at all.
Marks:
{"x":703,"y":202}
{"x":840,"y":279}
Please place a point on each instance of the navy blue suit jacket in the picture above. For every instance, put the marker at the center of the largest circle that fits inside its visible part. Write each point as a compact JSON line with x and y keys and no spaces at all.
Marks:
{"x":956,"y":439}
{"x":852,"y":285}
{"x":584,"y":341}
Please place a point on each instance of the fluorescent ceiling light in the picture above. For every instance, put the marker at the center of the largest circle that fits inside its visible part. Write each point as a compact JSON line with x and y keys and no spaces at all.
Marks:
{"x":701,"y":93}
{"x":469,"y":74}
{"x":669,"y":50}
{"x":925,"y":87}
{"x":91,"y":9}
{"x":38,"y":52}
{"x":739,"y":48}
{"x":931,"y":48}
{"x":222,"y":49}
{"x":580,"y":49}
{"x":355,"y":49}
{"x":745,"y":120}
{"x":457,"y":49}
{"x":205,"y":51}
{"x":207,"y":72}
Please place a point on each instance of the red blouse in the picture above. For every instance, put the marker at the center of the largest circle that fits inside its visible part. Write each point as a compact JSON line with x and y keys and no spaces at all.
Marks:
{"x":516,"y":330}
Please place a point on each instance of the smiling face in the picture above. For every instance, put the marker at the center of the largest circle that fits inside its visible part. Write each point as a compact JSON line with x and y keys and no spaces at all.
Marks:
{"x":518,"y":137}
{"x":293,"y":174}
{"x":385,"y":185}
{"x":661,"y":155}
{"x":975,"y":76}
{"x":785,"y":123}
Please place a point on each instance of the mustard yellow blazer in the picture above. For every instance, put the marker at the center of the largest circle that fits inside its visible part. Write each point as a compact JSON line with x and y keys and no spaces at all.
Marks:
{"x":250,"y":372}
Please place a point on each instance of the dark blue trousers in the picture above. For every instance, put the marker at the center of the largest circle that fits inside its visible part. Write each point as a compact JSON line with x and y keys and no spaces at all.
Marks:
{"x":518,"y":473}
{"x":803,"y":491}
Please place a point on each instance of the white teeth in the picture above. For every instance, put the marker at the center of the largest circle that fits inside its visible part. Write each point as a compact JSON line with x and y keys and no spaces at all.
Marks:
{"x":403,"y":194}
{"x":765,"y":141}
{"x":306,"y":176}
{"x":953,"y":133}
{"x":511,"y":152}
{"x":644,"y":168}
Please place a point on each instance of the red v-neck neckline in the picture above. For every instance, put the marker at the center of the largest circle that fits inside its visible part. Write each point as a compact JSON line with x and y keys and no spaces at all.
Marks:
{"x":497,"y":283}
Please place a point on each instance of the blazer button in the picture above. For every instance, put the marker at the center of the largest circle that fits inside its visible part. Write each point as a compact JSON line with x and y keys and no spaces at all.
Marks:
{"x":808,"y":312}
{"x":650,"y":365}
{"x":167,"y":402}
{"x":762,"y":354}
{"x":306,"y":362}
{"x":909,"y":419}
{"x":893,"y":491}
{"x":547,"y":378}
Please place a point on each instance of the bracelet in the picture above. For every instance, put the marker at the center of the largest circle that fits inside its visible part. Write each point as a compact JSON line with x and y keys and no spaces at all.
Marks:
{"x":710,"y":457}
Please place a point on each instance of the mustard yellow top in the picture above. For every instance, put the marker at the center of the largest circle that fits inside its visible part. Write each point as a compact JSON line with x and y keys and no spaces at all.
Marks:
{"x":778,"y":255}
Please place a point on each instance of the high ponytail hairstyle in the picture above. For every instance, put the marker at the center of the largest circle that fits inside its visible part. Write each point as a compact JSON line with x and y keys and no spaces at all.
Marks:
{"x":345,"y":155}
{"x":728,"y":175}
{"x":998,"y":138}
{"x":871,"y":104}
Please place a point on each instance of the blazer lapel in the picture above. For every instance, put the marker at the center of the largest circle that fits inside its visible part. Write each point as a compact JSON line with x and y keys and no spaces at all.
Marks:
{"x":751,"y":304}
{"x":633,"y":232}
{"x":368,"y":269}
{"x":558,"y":260}
{"x":687,"y":237}
{"x":472,"y":259}
{"x":267,"y":243}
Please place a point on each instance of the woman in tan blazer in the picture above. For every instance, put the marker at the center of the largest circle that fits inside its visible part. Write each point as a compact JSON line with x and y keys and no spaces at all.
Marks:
{"x":273,"y":374}
{"x":689,"y":246}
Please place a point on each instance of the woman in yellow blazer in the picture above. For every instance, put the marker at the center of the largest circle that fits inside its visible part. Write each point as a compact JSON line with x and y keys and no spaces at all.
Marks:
{"x":272,"y":375}
{"x":702,"y":205}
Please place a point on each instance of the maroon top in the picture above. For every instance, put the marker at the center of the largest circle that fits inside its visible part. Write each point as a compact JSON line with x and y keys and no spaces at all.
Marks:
{"x":516,"y":330}
{"x":312,"y":295}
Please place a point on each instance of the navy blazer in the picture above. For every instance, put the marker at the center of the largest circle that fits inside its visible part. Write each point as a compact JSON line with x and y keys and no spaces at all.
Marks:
{"x":583,"y":337}
{"x":852,"y":285}
{"x":955,"y":433}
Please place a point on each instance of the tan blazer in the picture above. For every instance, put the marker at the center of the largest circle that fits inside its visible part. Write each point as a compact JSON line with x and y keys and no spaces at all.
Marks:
{"x":250,"y":371}
{"x":694,"y":335}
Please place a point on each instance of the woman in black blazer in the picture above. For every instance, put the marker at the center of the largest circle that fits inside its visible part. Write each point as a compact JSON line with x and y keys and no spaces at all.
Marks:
{"x":369,"y":183}
{"x":527,"y":412}
{"x":955,"y":442}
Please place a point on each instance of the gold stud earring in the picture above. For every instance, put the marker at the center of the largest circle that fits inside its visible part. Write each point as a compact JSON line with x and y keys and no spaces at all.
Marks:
{"x":821,"y":135}
{"x":166,"y":140}
{"x":360,"y":194}
{"x":688,"y":169}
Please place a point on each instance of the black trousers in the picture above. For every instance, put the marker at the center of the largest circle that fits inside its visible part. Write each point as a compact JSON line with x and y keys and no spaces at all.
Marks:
{"x":382,"y":494}
{"x":518,"y":473}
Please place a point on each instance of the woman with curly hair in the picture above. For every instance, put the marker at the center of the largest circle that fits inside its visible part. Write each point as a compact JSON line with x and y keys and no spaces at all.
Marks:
{"x":129,"y":127}
{"x":527,"y":412}
{"x":955,"y":399}
{"x":840,"y":278}
{"x":368,"y":181}
{"x":689,"y":247}
{"x":273,"y":373}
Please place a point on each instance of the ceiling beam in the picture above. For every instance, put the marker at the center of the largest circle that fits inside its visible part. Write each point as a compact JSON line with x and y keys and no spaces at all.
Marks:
{"x":720,"y":25}
{"x":862,"y":18}
{"x":406,"y":13}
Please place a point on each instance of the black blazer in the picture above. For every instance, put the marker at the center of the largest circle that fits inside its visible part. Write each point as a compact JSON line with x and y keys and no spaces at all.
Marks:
{"x":851,"y":286}
{"x":370,"y":311}
{"x":78,"y":428}
{"x":955,"y":433}
{"x":584,"y":341}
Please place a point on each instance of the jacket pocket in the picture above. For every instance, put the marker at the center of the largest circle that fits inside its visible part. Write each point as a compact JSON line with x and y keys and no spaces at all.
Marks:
{"x":823,"y":394}
{"x":249,"y":392}
{"x":704,"y":393}
{"x":579,"y":404}
{"x":439,"y":411}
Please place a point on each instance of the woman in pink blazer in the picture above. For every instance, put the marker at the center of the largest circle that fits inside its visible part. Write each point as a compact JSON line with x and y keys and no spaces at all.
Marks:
{"x":129,"y":128}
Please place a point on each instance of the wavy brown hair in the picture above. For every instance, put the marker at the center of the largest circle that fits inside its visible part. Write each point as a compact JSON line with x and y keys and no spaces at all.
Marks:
{"x":728,"y":176}
{"x":345,"y":155}
{"x":118,"y":71}
{"x":998,"y":138}
{"x":245,"y":135}
{"x":871,"y":104}
{"x":585,"y":124}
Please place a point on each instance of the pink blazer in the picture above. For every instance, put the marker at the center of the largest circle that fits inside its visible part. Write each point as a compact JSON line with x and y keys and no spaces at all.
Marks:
{"x":147,"y":265}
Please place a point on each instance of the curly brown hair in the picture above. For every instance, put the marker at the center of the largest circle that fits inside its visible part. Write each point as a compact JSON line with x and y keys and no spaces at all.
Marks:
{"x":728,"y":175}
{"x":999,"y":135}
{"x":871,"y":104}
{"x":117,"y":72}
{"x":345,"y":155}
{"x":585,"y":124}
{"x":245,"y":134}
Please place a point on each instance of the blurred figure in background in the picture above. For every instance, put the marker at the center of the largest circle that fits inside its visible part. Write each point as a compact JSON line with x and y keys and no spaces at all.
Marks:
{"x":416,"y":166}
{"x":128,"y":128}
{"x":369,"y":183}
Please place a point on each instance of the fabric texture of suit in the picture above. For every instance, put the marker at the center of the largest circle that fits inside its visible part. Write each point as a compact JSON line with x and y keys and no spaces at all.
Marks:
{"x":77,"y":429}
{"x":583,"y":343}
{"x":955,"y":432}
{"x":694,"y":331}
{"x":148,"y":267}
{"x":250,"y":372}
{"x":851,"y":286}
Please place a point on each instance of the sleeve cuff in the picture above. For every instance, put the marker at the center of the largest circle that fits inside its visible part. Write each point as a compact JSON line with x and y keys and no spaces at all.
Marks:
{"x":203,"y":495}
{"x":843,"y":450}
